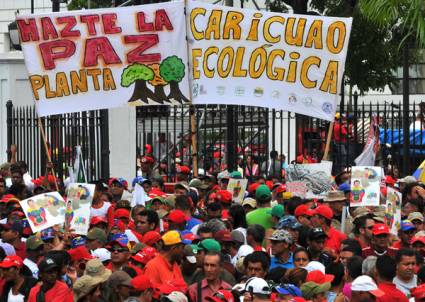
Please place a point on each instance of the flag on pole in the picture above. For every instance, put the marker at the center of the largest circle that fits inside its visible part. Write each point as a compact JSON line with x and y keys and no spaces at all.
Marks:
{"x":368,"y":156}
{"x":79,"y":169}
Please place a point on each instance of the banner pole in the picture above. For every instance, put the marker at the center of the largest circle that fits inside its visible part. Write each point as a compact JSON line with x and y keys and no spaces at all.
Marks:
{"x":328,"y":141}
{"x":43,"y":135}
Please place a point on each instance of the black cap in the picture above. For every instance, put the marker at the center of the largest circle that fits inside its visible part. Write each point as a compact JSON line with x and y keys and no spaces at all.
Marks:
{"x":47,"y":264}
{"x":316,"y":233}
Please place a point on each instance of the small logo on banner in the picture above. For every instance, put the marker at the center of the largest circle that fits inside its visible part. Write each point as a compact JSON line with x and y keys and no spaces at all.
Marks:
{"x":327,"y":107}
{"x":195,"y":90}
{"x":221,"y":90}
{"x":258,"y":92}
{"x":275,"y":94}
{"x":239,"y":91}
{"x":307,"y":101}
{"x":292,"y":99}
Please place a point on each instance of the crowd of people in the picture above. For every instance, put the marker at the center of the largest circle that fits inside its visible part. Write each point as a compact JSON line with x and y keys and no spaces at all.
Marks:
{"x":195,"y":243}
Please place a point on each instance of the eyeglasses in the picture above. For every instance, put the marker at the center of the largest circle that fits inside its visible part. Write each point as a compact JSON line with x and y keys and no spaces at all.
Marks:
{"x":300,"y":259}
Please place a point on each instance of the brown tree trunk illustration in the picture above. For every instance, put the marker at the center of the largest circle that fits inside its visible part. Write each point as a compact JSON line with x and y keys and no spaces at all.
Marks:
{"x":176,"y":94}
{"x":143,"y":93}
{"x":160,"y":94}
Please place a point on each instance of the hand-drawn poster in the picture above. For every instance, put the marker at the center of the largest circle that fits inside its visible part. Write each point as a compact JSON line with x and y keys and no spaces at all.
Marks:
{"x":44,"y":210}
{"x":77,"y":213}
{"x":365,"y":186}
{"x":237,"y":188}
{"x":104,"y":58}
{"x":297,"y":188}
{"x":393,"y":210}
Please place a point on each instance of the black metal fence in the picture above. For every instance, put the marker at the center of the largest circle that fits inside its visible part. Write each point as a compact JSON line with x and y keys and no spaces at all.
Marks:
{"x":255,"y":131}
{"x":63,"y":132}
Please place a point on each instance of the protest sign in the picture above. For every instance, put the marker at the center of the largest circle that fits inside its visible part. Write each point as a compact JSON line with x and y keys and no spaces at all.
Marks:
{"x":297,"y":188}
{"x":393,"y":210}
{"x":79,"y":200}
{"x":237,"y":188}
{"x":139,"y":196}
{"x":282,"y":61}
{"x":365,"y":186}
{"x":95,"y":59}
{"x":44,"y":210}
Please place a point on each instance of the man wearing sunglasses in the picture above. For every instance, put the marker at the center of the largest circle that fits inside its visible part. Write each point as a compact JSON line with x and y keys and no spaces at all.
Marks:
{"x":120,"y":252}
{"x":363,"y":225}
{"x":380,"y":242}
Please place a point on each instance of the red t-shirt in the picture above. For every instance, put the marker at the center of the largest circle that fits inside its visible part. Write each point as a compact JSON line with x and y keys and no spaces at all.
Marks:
{"x":60,"y":292}
{"x":392,"y":294}
{"x":334,"y":239}
{"x":340,"y":132}
{"x":161,"y":271}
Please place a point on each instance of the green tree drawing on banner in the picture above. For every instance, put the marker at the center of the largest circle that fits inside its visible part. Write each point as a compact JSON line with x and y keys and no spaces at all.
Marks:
{"x":172,"y":70}
{"x":139,"y":74}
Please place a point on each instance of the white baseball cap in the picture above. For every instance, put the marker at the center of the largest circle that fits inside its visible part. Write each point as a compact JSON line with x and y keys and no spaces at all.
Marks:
{"x":258,"y":286}
{"x":102,"y":254}
{"x":366,"y":284}
{"x":177,"y":297}
{"x":315,"y":266}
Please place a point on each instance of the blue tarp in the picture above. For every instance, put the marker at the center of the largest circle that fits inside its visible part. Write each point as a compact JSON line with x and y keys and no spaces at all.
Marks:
{"x":395,"y":137}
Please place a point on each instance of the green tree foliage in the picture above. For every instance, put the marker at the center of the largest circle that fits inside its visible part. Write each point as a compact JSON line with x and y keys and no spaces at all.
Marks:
{"x":172,"y":69}
{"x":80,"y":4}
{"x":407,"y":15}
{"x":136,"y":72}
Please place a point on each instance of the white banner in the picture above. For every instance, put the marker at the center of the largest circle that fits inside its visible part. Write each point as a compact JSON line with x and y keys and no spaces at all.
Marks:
{"x":79,"y":200}
{"x":281,"y":61}
{"x":95,"y":59}
{"x":365,"y":186}
{"x":44,"y":210}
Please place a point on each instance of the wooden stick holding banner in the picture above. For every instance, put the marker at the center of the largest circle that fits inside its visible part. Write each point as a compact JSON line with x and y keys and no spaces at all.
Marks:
{"x":328,"y":141}
{"x":49,"y":158}
{"x":194,"y":141}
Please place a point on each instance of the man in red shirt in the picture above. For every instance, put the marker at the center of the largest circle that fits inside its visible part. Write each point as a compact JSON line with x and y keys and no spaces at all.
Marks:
{"x":380,"y":242}
{"x":385,"y":272}
{"x":164,"y":268}
{"x":51,"y":289}
{"x":322,"y":218}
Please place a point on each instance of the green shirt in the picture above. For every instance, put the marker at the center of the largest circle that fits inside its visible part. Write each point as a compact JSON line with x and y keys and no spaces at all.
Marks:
{"x":260,"y":216}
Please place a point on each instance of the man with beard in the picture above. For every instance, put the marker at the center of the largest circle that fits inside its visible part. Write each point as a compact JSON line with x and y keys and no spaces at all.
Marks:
{"x":406,"y":277}
{"x":165,"y":266}
{"x":363,"y":226}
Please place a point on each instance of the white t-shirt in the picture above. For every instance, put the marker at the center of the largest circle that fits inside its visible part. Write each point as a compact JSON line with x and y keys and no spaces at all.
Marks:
{"x":32,"y":266}
{"x":15,"y":298}
{"x":101,"y":212}
{"x":405,"y":286}
{"x":28,"y":181}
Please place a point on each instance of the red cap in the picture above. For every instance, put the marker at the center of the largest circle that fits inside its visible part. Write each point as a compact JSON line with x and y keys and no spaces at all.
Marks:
{"x":380,"y":228}
{"x":151,"y":237}
{"x":223,"y":196}
{"x":281,"y":188}
{"x":148,"y":149}
{"x":9,"y":198}
{"x":177,"y":216}
{"x":225,"y":215}
{"x":300,"y":159}
{"x":389,"y":180}
{"x":253,"y":187}
{"x":98,"y":219}
{"x":417,"y":239}
{"x":226,"y":294}
{"x":223,"y":235}
{"x":183,"y":170}
{"x":80,"y":253}
{"x":303,"y":210}
{"x":324,"y":211}
{"x":147,"y":160}
{"x":11,"y":261}
{"x":190,"y":236}
{"x":141,"y":283}
{"x":319,"y":277}
{"x":145,"y":255}
{"x":122,"y":213}
{"x":418,"y":292}
{"x":120,"y":180}
{"x":269,"y":183}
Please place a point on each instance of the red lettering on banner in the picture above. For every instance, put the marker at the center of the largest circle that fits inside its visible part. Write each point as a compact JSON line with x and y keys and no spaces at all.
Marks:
{"x":142,"y":25}
{"x":109,"y":24}
{"x":99,"y":47}
{"x":68,"y":30}
{"x":146,"y":41}
{"x":48,"y":29}
{"x":162,"y":20}
{"x":91,"y":21}
{"x":54,"y":50}
{"x":28,"y":30}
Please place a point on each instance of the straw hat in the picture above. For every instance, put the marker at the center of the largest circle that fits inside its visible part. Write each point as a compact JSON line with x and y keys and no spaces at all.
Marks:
{"x":335,"y":196}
